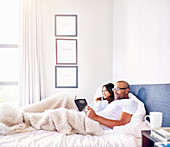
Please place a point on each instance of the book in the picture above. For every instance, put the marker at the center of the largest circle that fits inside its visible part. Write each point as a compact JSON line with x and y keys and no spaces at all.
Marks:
{"x":81,"y":104}
{"x":163,"y":133}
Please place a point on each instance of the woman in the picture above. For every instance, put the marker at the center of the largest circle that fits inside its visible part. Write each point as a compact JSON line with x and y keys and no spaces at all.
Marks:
{"x":107,"y":97}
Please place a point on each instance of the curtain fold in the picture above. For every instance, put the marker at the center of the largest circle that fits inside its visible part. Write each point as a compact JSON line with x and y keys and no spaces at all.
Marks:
{"x":31,"y":81}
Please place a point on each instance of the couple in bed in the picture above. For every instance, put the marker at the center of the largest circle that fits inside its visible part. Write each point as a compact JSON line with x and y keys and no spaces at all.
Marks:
{"x":119,"y":111}
{"x":60,"y":113}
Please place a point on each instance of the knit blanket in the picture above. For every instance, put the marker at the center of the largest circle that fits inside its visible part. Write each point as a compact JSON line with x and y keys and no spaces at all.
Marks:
{"x":55,"y":113}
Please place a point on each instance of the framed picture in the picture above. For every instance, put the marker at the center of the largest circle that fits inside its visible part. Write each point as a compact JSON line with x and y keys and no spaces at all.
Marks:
{"x":65,"y":25}
{"x":66,"y":76}
{"x":66,"y":51}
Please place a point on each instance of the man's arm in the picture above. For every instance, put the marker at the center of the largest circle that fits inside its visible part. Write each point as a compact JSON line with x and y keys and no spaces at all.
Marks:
{"x":124,"y":118}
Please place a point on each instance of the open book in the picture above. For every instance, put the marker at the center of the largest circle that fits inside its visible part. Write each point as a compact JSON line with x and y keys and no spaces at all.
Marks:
{"x":81,"y":104}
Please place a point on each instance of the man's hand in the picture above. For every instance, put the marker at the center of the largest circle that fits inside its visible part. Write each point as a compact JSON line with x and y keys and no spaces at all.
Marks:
{"x":90,"y":113}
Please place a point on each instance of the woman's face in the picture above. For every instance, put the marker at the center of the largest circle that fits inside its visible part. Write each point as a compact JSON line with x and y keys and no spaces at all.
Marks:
{"x":105,"y":93}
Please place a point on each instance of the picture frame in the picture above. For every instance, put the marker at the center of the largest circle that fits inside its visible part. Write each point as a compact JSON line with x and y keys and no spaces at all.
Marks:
{"x":66,"y":76}
{"x":66,"y":51}
{"x":65,"y":25}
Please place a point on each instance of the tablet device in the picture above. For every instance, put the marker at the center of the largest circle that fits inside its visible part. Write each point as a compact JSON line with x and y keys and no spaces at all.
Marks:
{"x":81,"y":104}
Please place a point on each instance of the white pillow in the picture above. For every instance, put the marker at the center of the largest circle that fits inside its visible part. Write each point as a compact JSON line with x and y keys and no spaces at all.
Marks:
{"x":140,"y":113}
{"x":98,"y":93}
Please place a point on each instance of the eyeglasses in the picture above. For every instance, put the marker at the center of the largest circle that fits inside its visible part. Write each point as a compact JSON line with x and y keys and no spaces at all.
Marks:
{"x":118,"y":89}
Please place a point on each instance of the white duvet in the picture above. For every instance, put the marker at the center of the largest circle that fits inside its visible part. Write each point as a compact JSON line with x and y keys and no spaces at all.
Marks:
{"x":51,"y":114}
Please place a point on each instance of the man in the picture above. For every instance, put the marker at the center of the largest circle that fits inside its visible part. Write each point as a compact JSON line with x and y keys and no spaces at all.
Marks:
{"x":117,"y":113}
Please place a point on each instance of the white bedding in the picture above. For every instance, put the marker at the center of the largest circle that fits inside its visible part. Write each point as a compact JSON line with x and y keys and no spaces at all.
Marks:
{"x":121,"y":136}
{"x":43,"y":138}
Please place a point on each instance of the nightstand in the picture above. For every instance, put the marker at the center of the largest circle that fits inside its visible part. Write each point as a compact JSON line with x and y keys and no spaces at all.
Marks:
{"x":147,"y":139}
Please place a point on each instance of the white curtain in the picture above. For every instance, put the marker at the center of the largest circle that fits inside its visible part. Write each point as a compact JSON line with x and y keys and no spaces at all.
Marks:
{"x":31,"y":69}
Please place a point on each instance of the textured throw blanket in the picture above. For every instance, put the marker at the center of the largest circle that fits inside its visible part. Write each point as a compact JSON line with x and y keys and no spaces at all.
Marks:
{"x":55,"y":113}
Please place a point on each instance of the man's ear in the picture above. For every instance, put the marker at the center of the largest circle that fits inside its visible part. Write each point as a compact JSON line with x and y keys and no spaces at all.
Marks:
{"x":127,"y":90}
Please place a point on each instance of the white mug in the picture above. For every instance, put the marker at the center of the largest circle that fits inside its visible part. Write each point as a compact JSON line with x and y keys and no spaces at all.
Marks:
{"x":155,"y":119}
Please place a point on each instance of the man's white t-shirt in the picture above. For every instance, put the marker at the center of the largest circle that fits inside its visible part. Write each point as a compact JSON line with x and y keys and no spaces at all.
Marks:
{"x":115,"y":108}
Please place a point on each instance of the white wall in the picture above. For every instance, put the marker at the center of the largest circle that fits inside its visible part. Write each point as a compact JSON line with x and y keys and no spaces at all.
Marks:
{"x":95,"y":43}
{"x":135,"y":34}
{"x":141,"y":41}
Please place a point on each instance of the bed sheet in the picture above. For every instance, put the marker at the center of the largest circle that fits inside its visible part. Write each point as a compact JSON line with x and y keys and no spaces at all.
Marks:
{"x":43,"y":138}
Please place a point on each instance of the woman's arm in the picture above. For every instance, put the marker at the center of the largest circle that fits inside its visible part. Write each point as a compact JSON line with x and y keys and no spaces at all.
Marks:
{"x":124,"y":118}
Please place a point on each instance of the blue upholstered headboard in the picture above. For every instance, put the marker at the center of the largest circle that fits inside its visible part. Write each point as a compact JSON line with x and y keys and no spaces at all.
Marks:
{"x":156,"y":97}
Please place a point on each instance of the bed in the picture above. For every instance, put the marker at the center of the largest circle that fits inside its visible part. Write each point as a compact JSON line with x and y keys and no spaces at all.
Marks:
{"x":156,"y":97}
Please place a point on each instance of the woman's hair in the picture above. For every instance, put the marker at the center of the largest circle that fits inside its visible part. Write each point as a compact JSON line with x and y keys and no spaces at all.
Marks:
{"x":109,"y":88}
